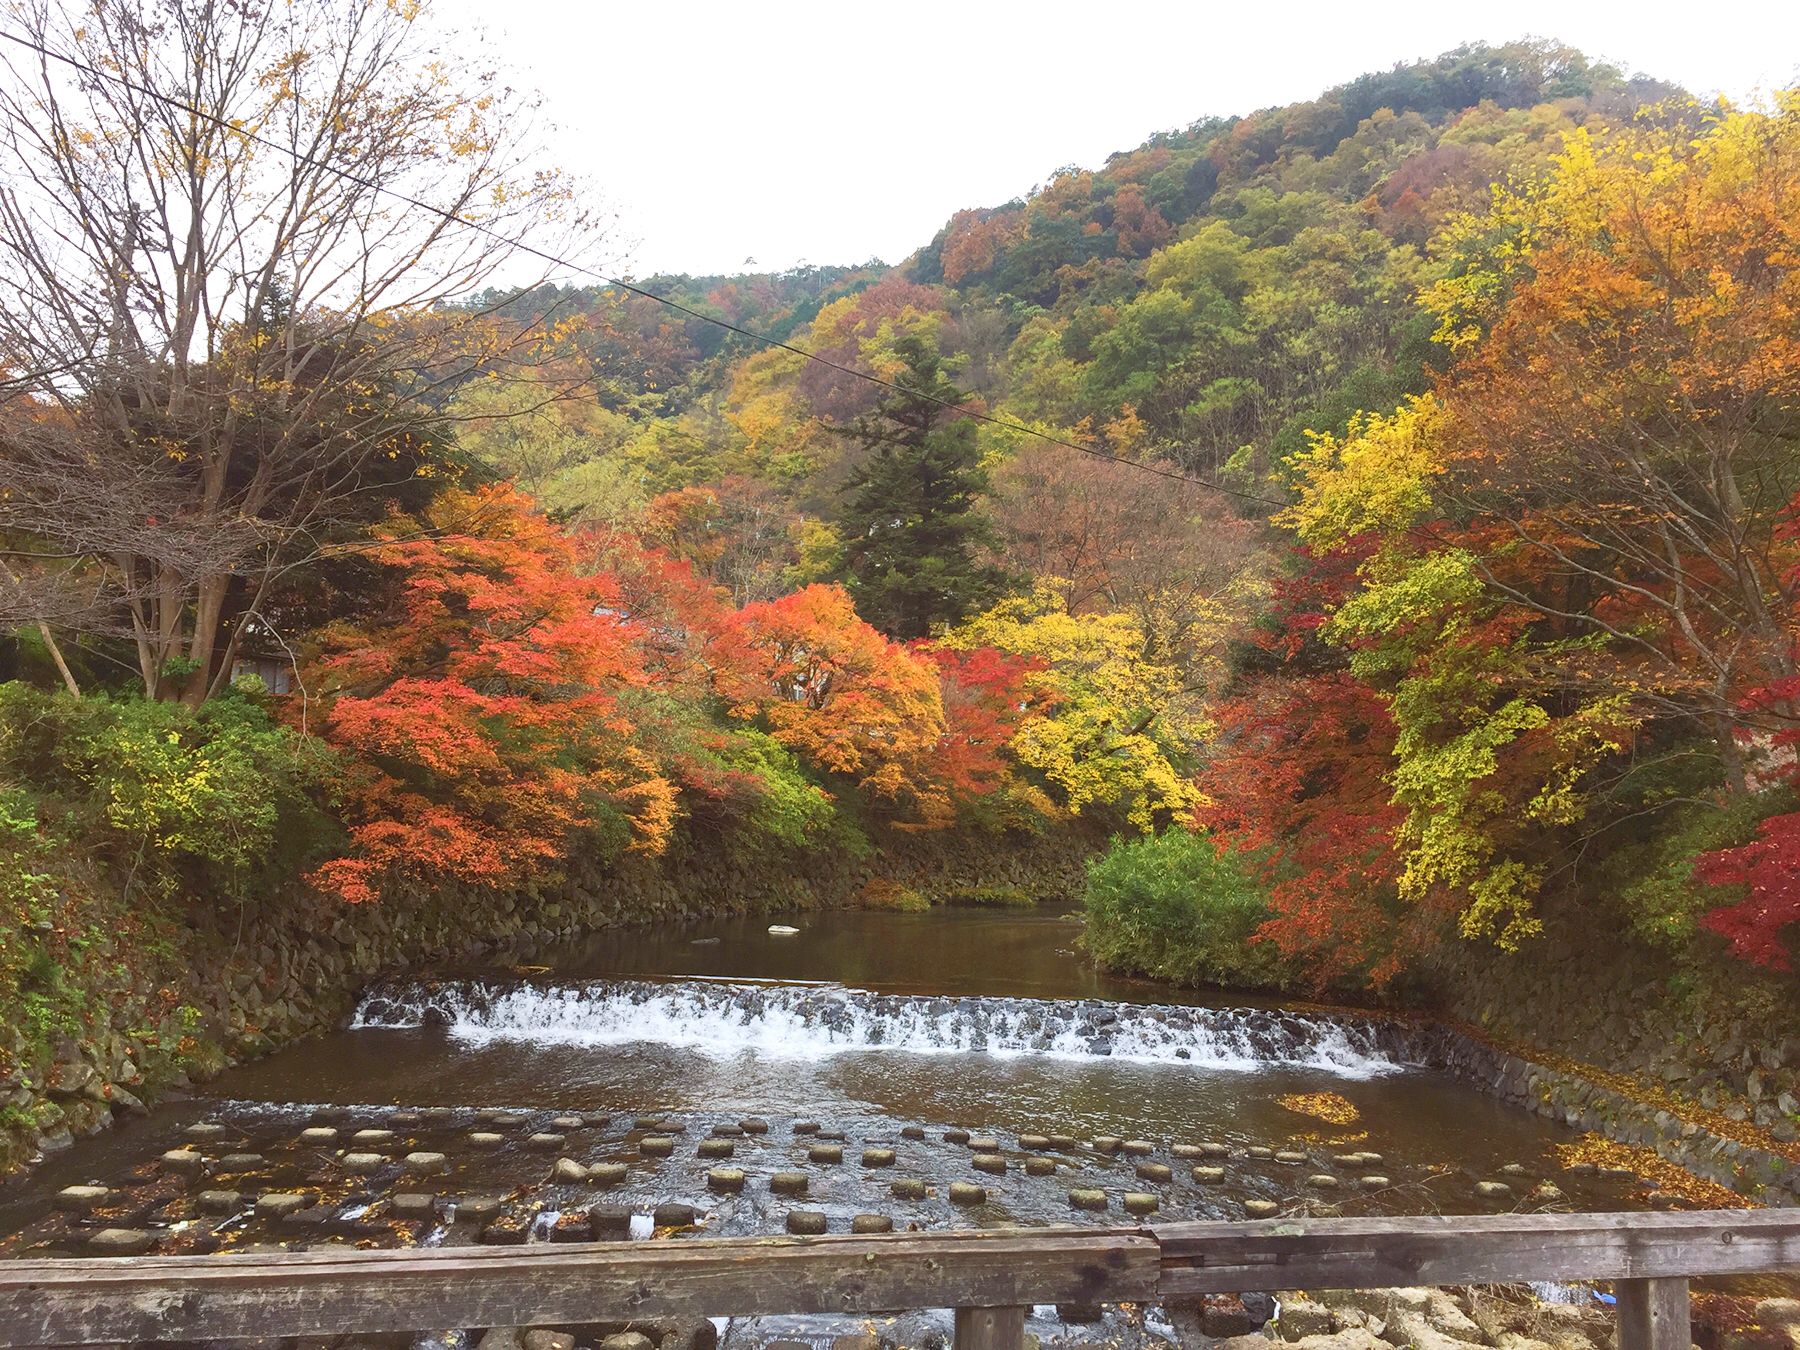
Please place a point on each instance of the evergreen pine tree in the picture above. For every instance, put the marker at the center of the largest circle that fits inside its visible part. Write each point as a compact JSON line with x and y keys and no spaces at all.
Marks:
{"x":913,"y":530}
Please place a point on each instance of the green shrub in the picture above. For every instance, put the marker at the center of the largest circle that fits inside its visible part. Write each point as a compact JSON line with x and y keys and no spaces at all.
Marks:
{"x":998,"y":897}
{"x":1171,"y":907}
{"x":880,"y":893}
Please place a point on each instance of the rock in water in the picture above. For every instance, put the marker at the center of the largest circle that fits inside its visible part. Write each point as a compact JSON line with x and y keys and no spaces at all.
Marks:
{"x":782,"y":930}
{"x":1085,"y":1198}
{"x":806,"y":1222}
{"x":872,"y":1223}
{"x":1140,"y":1202}
{"x":967,"y":1193}
{"x":788,"y":1183}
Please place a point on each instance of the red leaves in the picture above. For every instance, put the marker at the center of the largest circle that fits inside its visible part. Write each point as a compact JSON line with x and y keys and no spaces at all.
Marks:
{"x":1769,"y":866}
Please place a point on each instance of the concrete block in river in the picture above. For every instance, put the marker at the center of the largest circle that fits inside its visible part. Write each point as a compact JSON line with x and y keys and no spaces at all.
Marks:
{"x":362,"y":1164}
{"x":508,"y":1230}
{"x":425,"y":1164}
{"x":988,"y":1162}
{"x":280,"y":1204}
{"x":572,"y":1225}
{"x":1291,"y":1157}
{"x":1322,"y":1181}
{"x":1034,"y":1141}
{"x":1040,"y":1167}
{"x":788,"y":1183}
{"x":1083,"y":1197}
{"x":182,"y":1162}
{"x":984,"y":1145}
{"x":806,"y":1222}
{"x":872,"y":1223}
{"x":673,"y":1215}
{"x":1493,"y":1190}
{"x":1186,"y":1151}
{"x":671,"y":1125}
{"x":120,"y":1242}
{"x":413,"y":1205}
{"x":206,"y":1131}
{"x":1209,"y":1176}
{"x":486,"y":1139}
{"x":1108,"y":1144}
{"x":241,"y":1162}
{"x":956,"y":1136}
{"x":372,"y":1138}
{"x":82,"y":1198}
{"x":967,"y":1193}
{"x":907,"y":1188}
{"x":1064,"y":1142}
{"x":610,"y":1220}
{"x":754,"y":1125}
{"x":1152,"y":1171}
{"x":568,"y":1172}
{"x":546,"y":1142}
{"x":319,"y":1136}
{"x":1139,"y":1202}
{"x":825,"y":1153}
{"x":878,"y":1157}
{"x":727,"y":1132}
{"x":1374,"y":1181}
{"x":218,"y":1202}
{"x":1137,"y":1148}
{"x":567,"y":1123}
{"x":912,"y":1132}
{"x":716,"y":1148}
{"x":806,"y":1127}
{"x":725,"y":1180}
{"x":477,"y":1209}
{"x":606,"y":1173}
{"x":1261,"y":1209}
{"x":656,"y":1146}
{"x":1259,"y":1152}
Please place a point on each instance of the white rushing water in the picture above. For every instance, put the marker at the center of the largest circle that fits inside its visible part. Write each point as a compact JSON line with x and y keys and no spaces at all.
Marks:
{"x":810,"y":1022}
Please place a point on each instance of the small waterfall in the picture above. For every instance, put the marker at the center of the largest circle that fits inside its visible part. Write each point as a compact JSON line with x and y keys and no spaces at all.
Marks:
{"x":813,"y":1021}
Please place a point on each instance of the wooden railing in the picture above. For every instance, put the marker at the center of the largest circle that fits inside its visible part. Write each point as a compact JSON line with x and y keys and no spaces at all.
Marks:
{"x":991,"y":1278}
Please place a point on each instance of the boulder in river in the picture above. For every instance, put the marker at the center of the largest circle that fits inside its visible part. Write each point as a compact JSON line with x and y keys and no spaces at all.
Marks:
{"x":568,"y":1172}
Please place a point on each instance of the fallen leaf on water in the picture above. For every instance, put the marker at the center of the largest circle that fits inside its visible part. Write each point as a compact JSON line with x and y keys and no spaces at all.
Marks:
{"x":1325,"y":1106}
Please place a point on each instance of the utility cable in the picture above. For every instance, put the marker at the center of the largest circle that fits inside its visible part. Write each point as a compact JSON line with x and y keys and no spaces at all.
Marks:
{"x":558,"y":261}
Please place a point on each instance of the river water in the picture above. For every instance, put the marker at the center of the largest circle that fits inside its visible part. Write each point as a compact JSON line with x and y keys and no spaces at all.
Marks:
{"x":894,"y":1031}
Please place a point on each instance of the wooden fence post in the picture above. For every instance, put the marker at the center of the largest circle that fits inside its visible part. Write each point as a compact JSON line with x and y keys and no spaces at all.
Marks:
{"x":1000,"y":1328}
{"x":1653,"y":1314}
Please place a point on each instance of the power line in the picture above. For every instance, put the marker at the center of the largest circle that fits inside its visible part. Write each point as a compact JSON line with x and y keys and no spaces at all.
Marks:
{"x":558,"y":261}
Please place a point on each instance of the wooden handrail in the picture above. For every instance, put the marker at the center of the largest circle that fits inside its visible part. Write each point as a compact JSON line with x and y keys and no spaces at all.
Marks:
{"x":338,"y":1291}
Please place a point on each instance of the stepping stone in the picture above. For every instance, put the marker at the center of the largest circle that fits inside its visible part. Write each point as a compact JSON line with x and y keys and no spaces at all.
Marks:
{"x":1083,"y":1197}
{"x":486,"y":1139}
{"x":331,"y":1114}
{"x":319,"y":1136}
{"x":788,"y":1183}
{"x":907,"y":1188}
{"x":1376,"y":1182}
{"x":1186,"y":1151}
{"x":1514,"y":1170}
{"x":1372,"y":1159}
{"x":413,"y":1205}
{"x":989,"y":1162}
{"x":645,"y":1122}
{"x":241,"y":1162}
{"x":567,"y":1123}
{"x":1108,"y":1144}
{"x":878,"y":1157}
{"x":606,"y":1174}
{"x":182,"y":1162}
{"x":477,"y":1209}
{"x":546,"y":1142}
{"x":218,"y":1202}
{"x":806,"y":1127}
{"x":362,"y":1164}
{"x":1259,"y":1152}
{"x":1493,"y":1190}
{"x":437,"y":1117}
{"x":673,"y":1215}
{"x":832,"y":1134}
{"x":1616,"y":1174}
{"x":725,"y":1180}
{"x":984,"y":1145}
{"x":671,"y":1125}
{"x":425,"y":1164}
{"x":506,"y":1120}
{"x":967,"y":1193}
{"x":509,"y":1230}
{"x":1545,"y":1193}
{"x":119,"y":1242}
{"x":1261,"y":1209}
{"x":912,"y":1132}
{"x":1137,"y":1148}
{"x":754,"y":1125}
{"x":728,"y":1132}
{"x":1064,"y":1142}
{"x":1209,"y":1176}
{"x":956,"y":1136}
{"x":1290,"y":1156}
{"x":1040,"y":1167}
{"x":406,"y":1120}
{"x":372,"y":1138}
{"x":1211,"y":1149}
{"x":205,"y":1131}
{"x":80,"y":1199}
{"x":595,"y":1120}
{"x":610,"y":1220}
{"x":1140,"y":1202}
{"x":1322,"y":1181}
{"x":825,"y":1153}
{"x":1153,"y":1172}
{"x":716,"y":1148}
{"x":806,"y":1222}
{"x":871,"y":1223}
{"x":1034,"y":1141}
{"x":280,"y":1204}
{"x":572,"y":1225}
{"x":568,"y":1172}
{"x":1582,"y":1169}
{"x":656,"y":1146}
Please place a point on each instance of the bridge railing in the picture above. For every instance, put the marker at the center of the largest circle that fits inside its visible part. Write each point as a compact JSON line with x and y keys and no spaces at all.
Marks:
{"x":991,"y":1278}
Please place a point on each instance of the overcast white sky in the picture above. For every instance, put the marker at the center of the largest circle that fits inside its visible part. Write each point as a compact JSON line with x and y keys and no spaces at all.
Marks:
{"x":832,"y":133}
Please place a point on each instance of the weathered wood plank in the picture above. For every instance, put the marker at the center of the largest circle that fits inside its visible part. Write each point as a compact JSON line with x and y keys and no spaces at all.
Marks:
{"x":993,"y":1328}
{"x":1654,"y":1314}
{"x":1205,"y":1258}
{"x":327,"y":1293}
